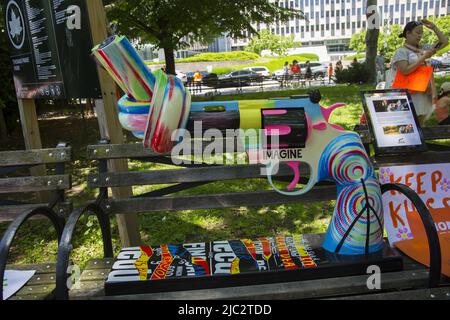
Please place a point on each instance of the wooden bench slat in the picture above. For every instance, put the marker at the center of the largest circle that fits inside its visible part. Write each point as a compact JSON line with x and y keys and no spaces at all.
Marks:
{"x":321,"y":288}
{"x":32,"y":297}
{"x":45,"y":289}
{"x":9,"y":213}
{"x":42,"y":279}
{"x":41,"y":268}
{"x":136,"y":150}
{"x":35,"y":157}
{"x":219,"y":173}
{"x":31,"y":184}
{"x":436,"y":132}
{"x":95,"y":264}
{"x":420,"y":294}
{"x":413,"y":159}
{"x":215,"y":201}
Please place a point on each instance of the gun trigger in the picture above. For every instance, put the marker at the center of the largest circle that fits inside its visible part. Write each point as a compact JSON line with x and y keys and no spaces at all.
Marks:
{"x":295,"y":165}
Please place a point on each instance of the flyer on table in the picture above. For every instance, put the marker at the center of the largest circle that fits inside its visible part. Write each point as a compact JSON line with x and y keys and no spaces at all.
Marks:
{"x":393,"y":120}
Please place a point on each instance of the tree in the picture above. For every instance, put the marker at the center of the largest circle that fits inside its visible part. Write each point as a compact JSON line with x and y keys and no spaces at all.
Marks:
{"x":266,"y":40}
{"x":358,"y":41}
{"x":429,"y":37}
{"x":372,"y":34}
{"x":167,"y":23}
{"x":390,"y":41}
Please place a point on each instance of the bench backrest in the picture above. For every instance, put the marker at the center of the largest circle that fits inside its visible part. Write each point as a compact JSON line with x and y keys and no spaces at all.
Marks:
{"x":196,"y":175}
{"x":10,"y":183}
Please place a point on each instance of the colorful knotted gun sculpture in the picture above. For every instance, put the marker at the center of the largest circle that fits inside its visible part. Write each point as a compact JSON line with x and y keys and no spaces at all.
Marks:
{"x":157,"y":104}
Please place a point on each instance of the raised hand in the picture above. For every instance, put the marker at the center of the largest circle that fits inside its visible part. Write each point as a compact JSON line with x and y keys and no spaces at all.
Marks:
{"x":428,"y":24}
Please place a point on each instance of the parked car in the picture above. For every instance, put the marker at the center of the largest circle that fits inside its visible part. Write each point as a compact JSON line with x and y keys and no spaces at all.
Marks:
{"x":277,"y":74}
{"x":263,"y":71}
{"x":318,"y":69}
{"x":239,"y":78}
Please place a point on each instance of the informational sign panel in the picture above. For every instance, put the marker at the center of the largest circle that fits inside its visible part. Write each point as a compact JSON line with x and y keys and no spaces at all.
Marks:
{"x":50,"y":45}
{"x":393,"y":121}
{"x":402,"y":221}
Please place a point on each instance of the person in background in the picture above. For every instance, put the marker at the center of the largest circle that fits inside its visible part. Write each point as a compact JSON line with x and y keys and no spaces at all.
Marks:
{"x":295,"y":68}
{"x":308,"y":72}
{"x":295,"y":71}
{"x":410,"y":56}
{"x":198,"y":81}
{"x":443,"y":104}
{"x":379,"y":63}
{"x":330,"y":72}
{"x":286,"y":71}
{"x":339,"y":66}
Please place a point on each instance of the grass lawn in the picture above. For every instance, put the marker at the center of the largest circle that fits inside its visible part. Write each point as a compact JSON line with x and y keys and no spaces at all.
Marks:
{"x":36,"y":241}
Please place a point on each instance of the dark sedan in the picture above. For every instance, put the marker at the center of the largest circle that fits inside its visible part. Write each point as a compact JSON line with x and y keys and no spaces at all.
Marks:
{"x":239,"y":78}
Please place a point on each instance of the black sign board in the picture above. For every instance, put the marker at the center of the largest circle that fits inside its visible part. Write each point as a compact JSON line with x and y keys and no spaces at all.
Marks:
{"x":50,"y":44}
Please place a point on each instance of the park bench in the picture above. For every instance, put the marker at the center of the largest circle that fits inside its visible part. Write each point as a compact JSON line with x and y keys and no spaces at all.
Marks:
{"x":414,"y":280}
{"x":50,"y":203}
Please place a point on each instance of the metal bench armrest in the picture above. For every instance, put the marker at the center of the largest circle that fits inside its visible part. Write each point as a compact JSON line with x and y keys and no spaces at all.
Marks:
{"x":11,"y":232}
{"x":430,"y":229}
{"x":65,"y":245}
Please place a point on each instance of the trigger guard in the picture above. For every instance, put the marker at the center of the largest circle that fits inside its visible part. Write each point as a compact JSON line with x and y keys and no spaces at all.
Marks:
{"x":311,"y":183}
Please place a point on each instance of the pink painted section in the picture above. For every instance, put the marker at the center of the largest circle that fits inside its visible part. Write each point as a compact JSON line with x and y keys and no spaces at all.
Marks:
{"x":328,"y":111}
{"x":320,"y":126}
{"x":309,"y":125}
{"x":295,"y":165}
{"x":277,"y":130}
{"x":274,"y":112}
{"x":337,"y":127}
{"x":282,"y":145}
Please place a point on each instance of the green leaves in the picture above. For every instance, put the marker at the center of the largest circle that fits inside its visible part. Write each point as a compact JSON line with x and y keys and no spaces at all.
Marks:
{"x":168,"y":23}
{"x":269,"y":41}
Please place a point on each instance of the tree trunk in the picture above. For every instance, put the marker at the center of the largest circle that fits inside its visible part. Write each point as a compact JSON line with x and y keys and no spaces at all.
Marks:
{"x":3,"y":128}
{"x":170,"y":61}
{"x":371,"y":43}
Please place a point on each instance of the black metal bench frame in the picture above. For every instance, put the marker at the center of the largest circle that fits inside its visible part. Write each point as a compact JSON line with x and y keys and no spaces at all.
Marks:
{"x":103,"y":207}
{"x":55,"y":211}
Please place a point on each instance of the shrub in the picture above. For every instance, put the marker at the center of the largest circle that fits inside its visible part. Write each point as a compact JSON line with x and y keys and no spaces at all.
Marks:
{"x":355,"y":73}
